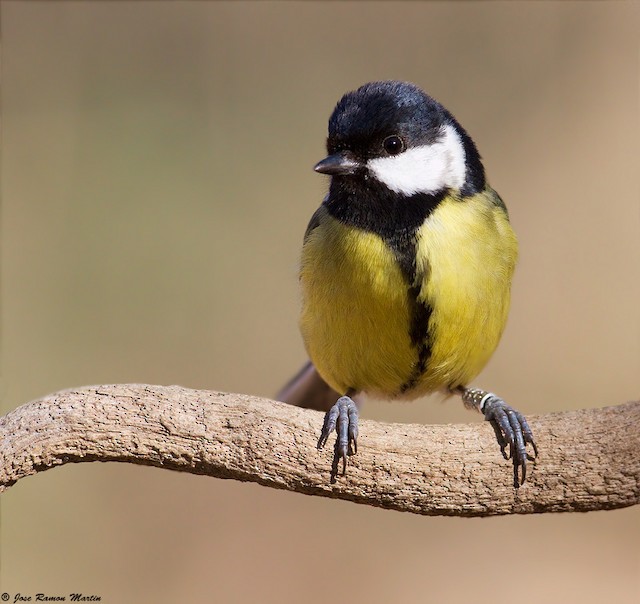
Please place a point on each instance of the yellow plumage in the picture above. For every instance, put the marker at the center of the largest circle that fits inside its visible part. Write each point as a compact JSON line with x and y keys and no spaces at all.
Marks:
{"x":356,"y":316}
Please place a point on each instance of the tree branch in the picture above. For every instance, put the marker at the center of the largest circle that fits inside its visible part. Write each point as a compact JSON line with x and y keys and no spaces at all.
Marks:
{"x":589,"y":459}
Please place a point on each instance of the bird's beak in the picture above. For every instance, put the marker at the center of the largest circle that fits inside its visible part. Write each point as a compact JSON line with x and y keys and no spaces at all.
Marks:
{"x":338,"y":164}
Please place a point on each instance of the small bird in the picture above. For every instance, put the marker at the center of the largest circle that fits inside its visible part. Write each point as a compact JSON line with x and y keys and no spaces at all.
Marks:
{"x":406,"y":268}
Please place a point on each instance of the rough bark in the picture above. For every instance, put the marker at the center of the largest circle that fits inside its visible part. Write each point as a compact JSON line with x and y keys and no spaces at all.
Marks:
{"x":589,"y":459}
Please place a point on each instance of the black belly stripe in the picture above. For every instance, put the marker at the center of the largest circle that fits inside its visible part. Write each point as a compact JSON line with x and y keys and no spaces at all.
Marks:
{"x":419,"y":313}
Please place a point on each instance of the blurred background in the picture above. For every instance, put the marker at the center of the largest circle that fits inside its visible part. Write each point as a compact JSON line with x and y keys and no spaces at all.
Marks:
{"x":156,"y":184}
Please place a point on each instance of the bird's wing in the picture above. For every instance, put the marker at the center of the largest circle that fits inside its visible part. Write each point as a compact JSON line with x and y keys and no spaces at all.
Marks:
{"x":315,"y":221}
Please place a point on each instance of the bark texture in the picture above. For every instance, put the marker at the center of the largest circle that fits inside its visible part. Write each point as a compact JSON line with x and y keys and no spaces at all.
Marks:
{"x":589,"y":459}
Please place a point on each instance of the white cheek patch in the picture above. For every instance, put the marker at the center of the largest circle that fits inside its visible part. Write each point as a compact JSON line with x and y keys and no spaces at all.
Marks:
{"x":425,"y":169}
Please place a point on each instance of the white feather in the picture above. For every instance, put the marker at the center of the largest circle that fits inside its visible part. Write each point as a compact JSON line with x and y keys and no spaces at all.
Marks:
{"x":424,"y":169}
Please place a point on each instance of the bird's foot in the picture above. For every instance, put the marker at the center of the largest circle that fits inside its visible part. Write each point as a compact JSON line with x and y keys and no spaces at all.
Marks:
{"x":510,"y":426}
{"x":343,"y":417}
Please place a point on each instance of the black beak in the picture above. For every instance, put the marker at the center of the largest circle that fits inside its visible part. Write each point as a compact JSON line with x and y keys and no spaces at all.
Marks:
{"x":338,"y":164}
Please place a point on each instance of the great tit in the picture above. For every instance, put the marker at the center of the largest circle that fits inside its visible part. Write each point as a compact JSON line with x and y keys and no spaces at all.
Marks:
{"x":406,"y":268}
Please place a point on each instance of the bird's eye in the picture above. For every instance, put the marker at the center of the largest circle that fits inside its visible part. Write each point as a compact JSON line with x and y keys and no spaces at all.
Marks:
{"x":393,"y":145}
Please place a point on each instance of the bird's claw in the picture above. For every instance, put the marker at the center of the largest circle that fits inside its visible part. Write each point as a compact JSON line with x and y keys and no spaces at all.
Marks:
{"x":511,"y":429}
{"x":343,"y":417}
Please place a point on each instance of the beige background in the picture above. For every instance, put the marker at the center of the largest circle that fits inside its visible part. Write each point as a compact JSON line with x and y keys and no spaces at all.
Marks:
{"x":156,"y":183}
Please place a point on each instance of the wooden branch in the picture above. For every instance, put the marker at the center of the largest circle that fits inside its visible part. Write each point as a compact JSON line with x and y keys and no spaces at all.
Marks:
{"x":589,"y":459}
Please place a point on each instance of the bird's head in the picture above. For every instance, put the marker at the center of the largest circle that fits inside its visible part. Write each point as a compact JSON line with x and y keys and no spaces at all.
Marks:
{"x":396,"y":135}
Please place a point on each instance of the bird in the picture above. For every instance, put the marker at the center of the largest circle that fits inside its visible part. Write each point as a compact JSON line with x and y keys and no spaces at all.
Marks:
{"x":406,"y":269}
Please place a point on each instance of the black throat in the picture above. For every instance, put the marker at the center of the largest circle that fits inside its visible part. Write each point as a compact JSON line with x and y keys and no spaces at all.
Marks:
{"x":363,"y":202}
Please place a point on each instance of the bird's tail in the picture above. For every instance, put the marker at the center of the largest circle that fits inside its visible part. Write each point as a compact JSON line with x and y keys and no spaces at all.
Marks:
{"x":308,"y":390}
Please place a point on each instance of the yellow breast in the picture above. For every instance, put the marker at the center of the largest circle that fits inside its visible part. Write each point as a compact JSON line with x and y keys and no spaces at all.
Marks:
{"x":356,"y":319}
{"x":468,"y":251}
{"x":355,"y":315}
